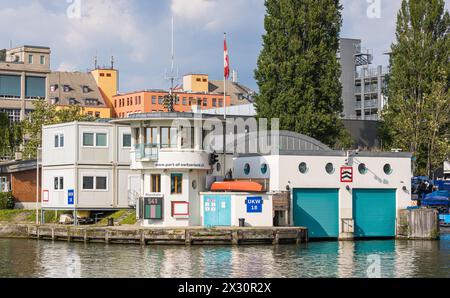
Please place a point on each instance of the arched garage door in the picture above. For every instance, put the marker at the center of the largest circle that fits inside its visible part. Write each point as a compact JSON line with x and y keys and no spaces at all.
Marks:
{"x":318,"y":210}
{"x":374,"y":212}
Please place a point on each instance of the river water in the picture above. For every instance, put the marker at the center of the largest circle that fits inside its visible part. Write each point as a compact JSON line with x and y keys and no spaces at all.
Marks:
{"x":387,"y":258}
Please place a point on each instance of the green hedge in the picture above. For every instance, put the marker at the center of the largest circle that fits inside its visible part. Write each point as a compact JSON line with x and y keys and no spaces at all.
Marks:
{"x":6,"y":200}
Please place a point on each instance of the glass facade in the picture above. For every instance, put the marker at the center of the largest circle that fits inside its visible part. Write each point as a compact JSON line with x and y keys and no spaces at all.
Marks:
{"x":34,"y":87}
{"x":10,"y":86}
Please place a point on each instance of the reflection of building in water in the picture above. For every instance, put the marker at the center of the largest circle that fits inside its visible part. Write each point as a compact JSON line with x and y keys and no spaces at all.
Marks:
{"x":10,"y":252}
{"x":345,"y":259}
{"x":56,"y":260}
{"x":250,"y":261}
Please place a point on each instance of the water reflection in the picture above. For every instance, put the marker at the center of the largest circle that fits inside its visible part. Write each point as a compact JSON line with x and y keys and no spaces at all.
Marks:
{"x":27,"y":258}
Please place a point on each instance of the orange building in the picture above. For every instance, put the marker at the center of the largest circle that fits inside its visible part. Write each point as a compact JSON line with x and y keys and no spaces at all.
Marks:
{"x":149,"y":101}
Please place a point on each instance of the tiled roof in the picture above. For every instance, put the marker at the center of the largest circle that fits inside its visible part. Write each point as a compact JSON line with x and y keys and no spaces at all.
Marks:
{"x":81,"y":89}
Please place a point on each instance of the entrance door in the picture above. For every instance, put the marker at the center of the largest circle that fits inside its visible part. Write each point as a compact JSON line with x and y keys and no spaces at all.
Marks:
{"x":374,"y":212}
{"x":318,"y":210}
{"x":217,"y":211}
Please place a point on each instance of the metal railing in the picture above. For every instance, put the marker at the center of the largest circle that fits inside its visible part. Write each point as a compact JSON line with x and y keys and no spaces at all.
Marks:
{"x":146,"y":152}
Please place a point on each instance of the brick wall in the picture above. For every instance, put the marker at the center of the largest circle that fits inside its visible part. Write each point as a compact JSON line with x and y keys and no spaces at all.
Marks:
{"x":24,"y":186}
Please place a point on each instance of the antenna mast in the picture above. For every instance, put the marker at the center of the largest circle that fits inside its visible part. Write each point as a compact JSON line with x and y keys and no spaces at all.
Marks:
{"x":172,"y":75}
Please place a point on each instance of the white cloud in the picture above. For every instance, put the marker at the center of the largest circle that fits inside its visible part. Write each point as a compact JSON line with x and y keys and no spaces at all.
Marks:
{"x":67,"y":66}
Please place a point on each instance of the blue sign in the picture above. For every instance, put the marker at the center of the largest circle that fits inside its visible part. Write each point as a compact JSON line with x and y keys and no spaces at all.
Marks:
{"x":254,"y":204}
{"x":71,"y":197}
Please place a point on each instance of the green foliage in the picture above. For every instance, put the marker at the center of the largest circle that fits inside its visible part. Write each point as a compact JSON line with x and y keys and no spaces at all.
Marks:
{"x":50,"y":217}
{"x":417,"y":116}
{"x":48,"y":114}
{"x":2,"y":55}
{"x":10,"y":136}
{"x":298,"y":70}
{"x":169,"y":102}
{"x":6,"y":201}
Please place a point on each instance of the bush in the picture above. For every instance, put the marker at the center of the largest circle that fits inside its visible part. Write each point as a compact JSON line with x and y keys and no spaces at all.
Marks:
{"x":6,"y":200}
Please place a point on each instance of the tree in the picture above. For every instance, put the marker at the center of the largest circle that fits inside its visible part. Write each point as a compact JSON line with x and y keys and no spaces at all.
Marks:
{"x":298,"y":70}
{"x":48,"y":114}
{"x":10,"y":136}
{"x":419,"y":65}
{"x":2,"y":55}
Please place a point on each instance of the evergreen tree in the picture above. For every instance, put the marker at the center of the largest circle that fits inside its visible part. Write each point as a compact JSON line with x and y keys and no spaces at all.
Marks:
{"x":418,"y":83}
{"x":298,"y":69}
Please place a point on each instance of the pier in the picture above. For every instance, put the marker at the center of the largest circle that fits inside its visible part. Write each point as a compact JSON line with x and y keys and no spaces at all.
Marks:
{"x":159,"y":236}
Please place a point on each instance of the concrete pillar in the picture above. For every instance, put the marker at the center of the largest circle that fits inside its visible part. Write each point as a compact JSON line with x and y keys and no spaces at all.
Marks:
{"x":22,"y":95}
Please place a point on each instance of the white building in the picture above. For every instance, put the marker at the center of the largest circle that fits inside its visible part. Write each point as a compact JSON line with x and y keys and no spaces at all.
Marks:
{"x":86,"y":166}
{"x":337,"y":194}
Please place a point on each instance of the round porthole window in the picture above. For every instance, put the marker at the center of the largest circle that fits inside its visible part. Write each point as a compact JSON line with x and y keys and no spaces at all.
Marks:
{"x":264,"y":168}
{"x":194,"y":184}
{"x":362,"y":169}
{"x":303,"y":168}
{"x":330,"y":168}
{"x":387,"y":169}
{"x":218,"y":167}
{"x":247,"y":169}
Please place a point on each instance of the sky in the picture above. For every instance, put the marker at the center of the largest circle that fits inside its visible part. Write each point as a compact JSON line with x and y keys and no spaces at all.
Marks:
{"x":138,"y":34}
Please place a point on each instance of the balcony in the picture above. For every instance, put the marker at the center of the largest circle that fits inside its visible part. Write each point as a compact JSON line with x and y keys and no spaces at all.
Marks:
{"x":146,"y":152}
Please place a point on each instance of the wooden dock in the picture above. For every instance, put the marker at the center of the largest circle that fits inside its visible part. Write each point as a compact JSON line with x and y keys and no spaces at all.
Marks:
{"x":170,"y":236}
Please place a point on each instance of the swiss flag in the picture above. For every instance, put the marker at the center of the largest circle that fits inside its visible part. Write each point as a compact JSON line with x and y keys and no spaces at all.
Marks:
{"x":226,"y":59}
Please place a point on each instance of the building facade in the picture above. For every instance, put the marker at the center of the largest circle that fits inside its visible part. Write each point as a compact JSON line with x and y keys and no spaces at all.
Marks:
{"x":152,"y":101}
{"x":86,"y":166}
{"x":77,"y":88}
{"x":337,"y":194}
{"x":23,"y":79}
{"x":20,"y":178}
{"x":363,"y":86}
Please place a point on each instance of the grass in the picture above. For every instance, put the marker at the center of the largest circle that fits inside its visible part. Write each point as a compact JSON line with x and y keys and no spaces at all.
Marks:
{"x":123,"y":217}
{"x":26,"y":216}
{"x":130,"y":219}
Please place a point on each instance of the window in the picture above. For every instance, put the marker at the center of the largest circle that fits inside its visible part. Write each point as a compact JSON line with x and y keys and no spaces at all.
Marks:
{"x":151,"y":136}
{"x":88,"y":139}
{"x":95,"y":183}
{"x":66,"y":88}
{"x":101,"y":140}
{"x":160,"y":100}
{"x":330,"y":168}
{"x":156,"y":183}
{"x":97,"y":114}
{"x":88,"y":183}
{"x":101,"y":183}
{"x":214,"y":102}
{"x":388,"y":169}
{"x":59,"y":140}
{"x":247,"y":169}
{"x":108,"y":75}
{"x":264,"y":168}
{"x":194,"y":185}
{"x":153,"y":100}
{"x":53,"y":88}
{"x":220,"y":103}
{"x":102,"y":74}
{"x":362,"y":169}
{"x":303,"y":168}
{"x":184,"y":101}
{"x":42,"y":60}
{"x":169,"y":137}
{"x":126,"y":140}
{"x":86,"y":89}
{"x":73,"y":101}
{"x":176,"y":183}
{"x":58,"y":183}
{"x":30,"y":59}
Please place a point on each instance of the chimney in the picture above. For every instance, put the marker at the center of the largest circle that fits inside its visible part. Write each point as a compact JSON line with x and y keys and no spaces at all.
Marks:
{"x":234,"y":76}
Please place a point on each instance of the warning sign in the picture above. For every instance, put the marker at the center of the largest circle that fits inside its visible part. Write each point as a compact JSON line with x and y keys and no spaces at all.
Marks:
{"x":346,"y":174}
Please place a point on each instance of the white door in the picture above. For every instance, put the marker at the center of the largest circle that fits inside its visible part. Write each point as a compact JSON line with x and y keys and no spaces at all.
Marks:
{"x":134,"y":189}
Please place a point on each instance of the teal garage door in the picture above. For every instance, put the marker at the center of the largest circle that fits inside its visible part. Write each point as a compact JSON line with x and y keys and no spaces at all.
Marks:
{"x":318,"y":210}
{"x":374,"y":212}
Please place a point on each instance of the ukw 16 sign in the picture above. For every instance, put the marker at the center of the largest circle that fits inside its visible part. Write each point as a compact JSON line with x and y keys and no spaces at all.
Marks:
{"x":346,"y":174}
{"x":254,"y":204}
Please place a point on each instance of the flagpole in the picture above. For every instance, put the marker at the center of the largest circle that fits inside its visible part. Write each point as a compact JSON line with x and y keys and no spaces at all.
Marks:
{"x":225,"y":113}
